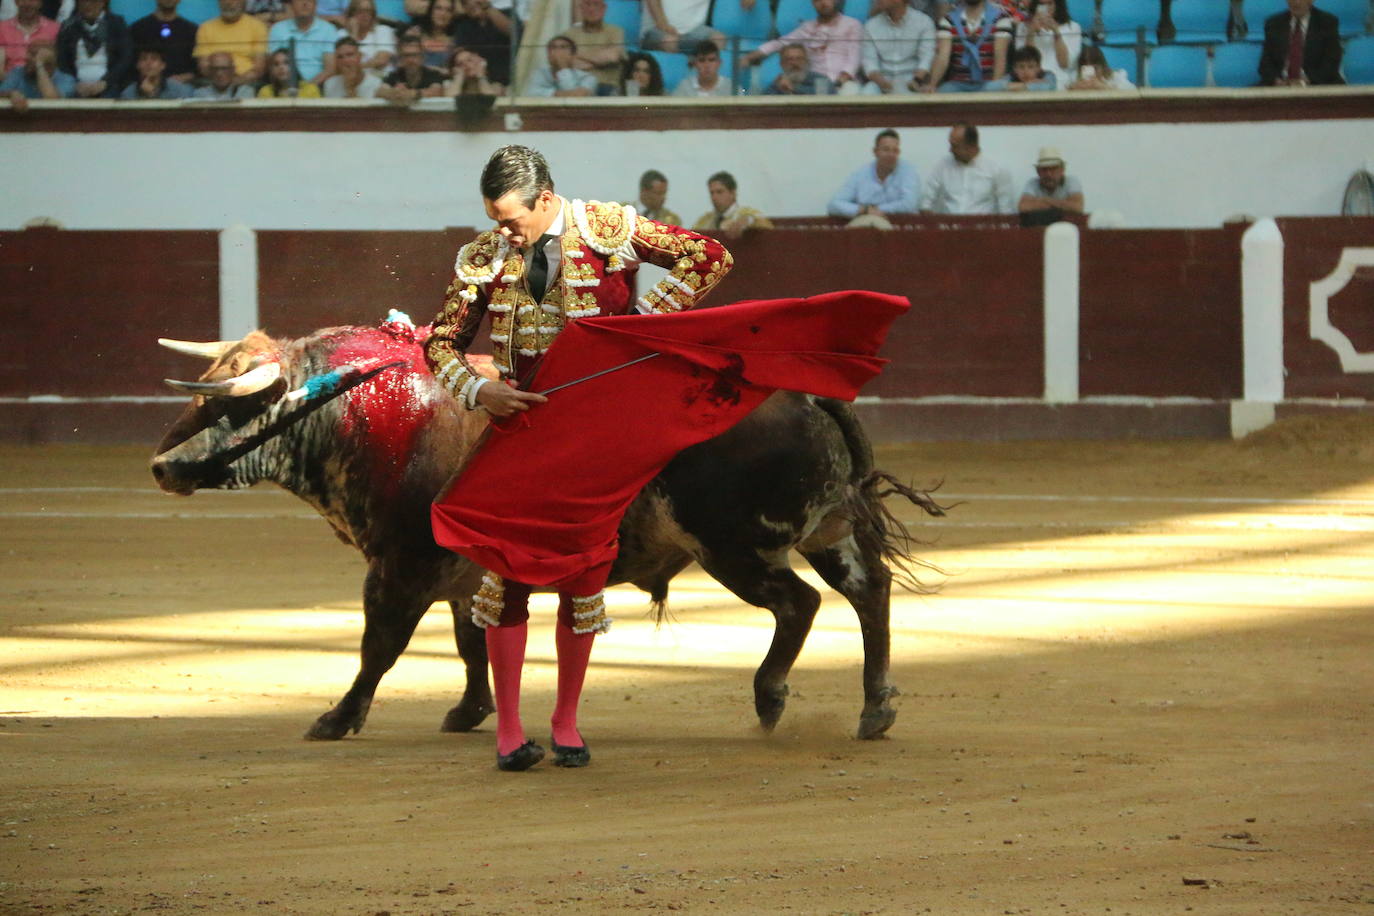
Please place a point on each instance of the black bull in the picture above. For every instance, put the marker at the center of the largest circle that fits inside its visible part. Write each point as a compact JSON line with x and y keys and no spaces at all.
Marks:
{"x":796,"y":474}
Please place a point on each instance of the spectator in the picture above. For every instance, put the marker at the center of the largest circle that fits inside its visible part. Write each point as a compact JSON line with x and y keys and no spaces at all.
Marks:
{"x":653,"y":198}
{"x":1051,"y":193}
{"x":705,"y":80}
{"x":559,"y":78}
{"x":244,"y":38}
{"x":223,"y":87}
{"x":309,"y":39}
{"x":641,"y":75}
{"x":436,"y":33}
{"x":600,"y":46}
{"x":376,"y":41}
{"x":18,"y":34}
{"x":971,"y":47}
{"x":965,"y":182}
{"x":899,"y":44}
{"x":94,"y":47}
{"x":281,"y":80}
{"x":174,"y":36}
{"x":152,"y":81}
{"x":470,"y":75}
{"x":350,"y":81}
{"x":412,"y":79}
{"x":832,"y":40}
{"x":797,"y":77}
{"x":726,"y":216}
{"x":876,"y":189}
{"x":678,"y":25}
{"x":1301,"y":47}
{"x":1026,"y":73}
{"x":38,"y":78}
{"x":1095,"y":73}
{"x":1057,"y":37}
{"x":487,"y":31}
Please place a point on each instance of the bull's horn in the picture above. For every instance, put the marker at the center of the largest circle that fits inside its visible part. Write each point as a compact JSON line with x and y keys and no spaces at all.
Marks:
{"x":212,"y":350}
{"x":251,"y":382}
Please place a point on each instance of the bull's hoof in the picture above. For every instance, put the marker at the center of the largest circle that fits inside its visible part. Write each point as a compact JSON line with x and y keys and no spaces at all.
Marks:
{"x":876,"y":723}
{"x":335,"y":724}
{"x":769,"y":705}
{"x":466,"y":716}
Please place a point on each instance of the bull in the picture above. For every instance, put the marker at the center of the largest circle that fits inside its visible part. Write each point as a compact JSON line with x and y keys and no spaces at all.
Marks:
{"x":350,"y":420}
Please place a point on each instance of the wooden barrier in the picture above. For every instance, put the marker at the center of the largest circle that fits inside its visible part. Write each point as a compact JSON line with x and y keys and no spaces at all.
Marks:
{"x":1159,"y":317}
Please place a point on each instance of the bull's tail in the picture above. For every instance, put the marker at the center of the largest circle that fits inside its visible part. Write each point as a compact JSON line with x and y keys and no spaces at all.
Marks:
{"x":878,"y":529}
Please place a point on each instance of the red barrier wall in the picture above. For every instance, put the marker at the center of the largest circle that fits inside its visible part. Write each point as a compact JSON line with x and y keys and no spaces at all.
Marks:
{"x":975,"y":326}
{"x":311,"y":280}
{"x":1160,"y":309}
{"x":83,"y":310}
{"x":1160,"y":313}
{"x":1312,"y":248}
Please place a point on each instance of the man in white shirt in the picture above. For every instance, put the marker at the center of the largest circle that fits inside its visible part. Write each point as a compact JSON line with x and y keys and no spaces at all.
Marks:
{"x":678,"y":25}
{"x":899,"y":45}
{"x":966,"y":182}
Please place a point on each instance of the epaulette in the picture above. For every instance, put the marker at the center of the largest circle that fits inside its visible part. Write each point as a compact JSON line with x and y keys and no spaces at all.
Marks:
{"x":480,"y":261}
{"x":606,"y":228}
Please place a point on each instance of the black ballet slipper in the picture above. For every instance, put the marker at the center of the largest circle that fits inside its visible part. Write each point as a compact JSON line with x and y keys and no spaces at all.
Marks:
{"x":522,"y":758}
{"x":565,"y":756}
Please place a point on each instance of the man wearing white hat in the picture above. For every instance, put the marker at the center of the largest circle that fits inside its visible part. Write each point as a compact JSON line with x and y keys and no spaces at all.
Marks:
{"x":1051,"y":189}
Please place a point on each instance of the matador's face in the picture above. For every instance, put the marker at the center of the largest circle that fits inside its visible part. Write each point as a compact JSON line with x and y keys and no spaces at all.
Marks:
{"x":519,"y":224}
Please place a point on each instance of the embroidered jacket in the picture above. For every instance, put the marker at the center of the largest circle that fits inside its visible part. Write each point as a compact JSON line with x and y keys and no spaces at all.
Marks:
{"x":601,"y":247}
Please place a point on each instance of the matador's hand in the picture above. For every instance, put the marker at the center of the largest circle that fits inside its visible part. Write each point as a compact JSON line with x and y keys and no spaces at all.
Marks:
{"x":501,"y":399}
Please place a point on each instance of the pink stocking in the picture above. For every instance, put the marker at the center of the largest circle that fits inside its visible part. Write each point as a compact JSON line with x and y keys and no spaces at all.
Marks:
{"x":574,"y":651}
{"x":506,"y":651}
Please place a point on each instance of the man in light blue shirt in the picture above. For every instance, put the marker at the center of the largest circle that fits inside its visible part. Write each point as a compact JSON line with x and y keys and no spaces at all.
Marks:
{"x":559,"y":78}
{"x":884,"y":186}
{"x":310,"y":39}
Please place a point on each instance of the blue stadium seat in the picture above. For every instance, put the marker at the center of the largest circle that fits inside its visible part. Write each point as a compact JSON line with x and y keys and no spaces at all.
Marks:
{"x":1236,"y":64}
{"x":625,"y":13}
{"x":1123,"y":59}
{"x":792,"y":13}
{"x":674,"y":67}
{"x":1198,"y":20}
{"x":392,"y":11}
{"x":132,"y":9}
{"x":1177,"y":66}
{"x":1353,"y":14}
{"x":752,"y":27}
{"x":756,"y":79}
{"x":1358,"y":62}
{"x":198,"y":11}
{"x":1122,"y":18}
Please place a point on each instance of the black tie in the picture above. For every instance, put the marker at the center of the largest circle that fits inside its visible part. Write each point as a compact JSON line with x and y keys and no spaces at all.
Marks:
{"x":539,"y":268}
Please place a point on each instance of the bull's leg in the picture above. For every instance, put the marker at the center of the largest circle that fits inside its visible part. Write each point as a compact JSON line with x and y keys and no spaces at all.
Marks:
{"x":477,"y":702}
{"x":867,"y":583}
{"x":392,"y":608}
{"x":767,"y":581}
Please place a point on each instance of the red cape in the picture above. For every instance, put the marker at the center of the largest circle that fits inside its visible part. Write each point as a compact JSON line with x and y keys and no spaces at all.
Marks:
{"x":541,"y":500}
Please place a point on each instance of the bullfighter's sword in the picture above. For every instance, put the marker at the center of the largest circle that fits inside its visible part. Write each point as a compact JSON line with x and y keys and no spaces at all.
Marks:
{"x":588,"y":378}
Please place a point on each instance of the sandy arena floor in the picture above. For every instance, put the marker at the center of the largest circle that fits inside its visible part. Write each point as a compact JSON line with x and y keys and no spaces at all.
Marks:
{"x":1145,"y":688}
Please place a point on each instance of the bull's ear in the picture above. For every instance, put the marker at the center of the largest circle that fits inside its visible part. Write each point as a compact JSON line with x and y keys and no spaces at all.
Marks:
{"x":212,"y":350}
{"x":250,"y":382}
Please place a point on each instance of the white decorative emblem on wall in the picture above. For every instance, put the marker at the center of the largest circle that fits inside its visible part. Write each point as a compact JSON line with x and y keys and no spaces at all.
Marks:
{"x":1319,"y":318}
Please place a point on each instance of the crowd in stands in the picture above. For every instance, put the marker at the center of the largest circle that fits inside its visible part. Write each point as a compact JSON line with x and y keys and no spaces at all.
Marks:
{"x":685,"y":48}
